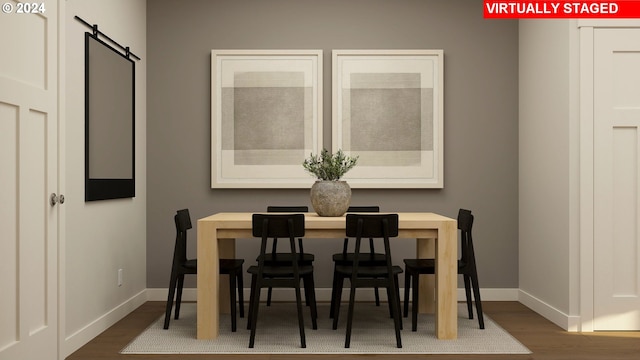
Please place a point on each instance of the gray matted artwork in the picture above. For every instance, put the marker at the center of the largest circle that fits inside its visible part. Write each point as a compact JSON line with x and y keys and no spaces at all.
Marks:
{"x":387,"y":109}
{"x":266,"y":117}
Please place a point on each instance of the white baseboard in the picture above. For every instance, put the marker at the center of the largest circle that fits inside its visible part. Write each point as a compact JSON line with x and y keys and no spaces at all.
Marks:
{"x":324,"y":294}
{"x":567,"y":322}
{"x":79,"y":338}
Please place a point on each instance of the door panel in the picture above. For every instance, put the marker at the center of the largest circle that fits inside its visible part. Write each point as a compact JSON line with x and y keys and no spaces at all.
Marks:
{"x":8,"y":215}
{"x":29,"y":163}
{"x":26,"y":38}
{"x":616,"y":179}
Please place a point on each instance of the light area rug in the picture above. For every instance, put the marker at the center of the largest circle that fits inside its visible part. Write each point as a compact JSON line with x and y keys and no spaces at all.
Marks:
{"x":277,"y":333}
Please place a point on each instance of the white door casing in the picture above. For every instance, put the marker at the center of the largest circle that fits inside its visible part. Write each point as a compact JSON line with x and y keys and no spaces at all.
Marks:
{"x":29,"y":131}
{"x":616,"y":117}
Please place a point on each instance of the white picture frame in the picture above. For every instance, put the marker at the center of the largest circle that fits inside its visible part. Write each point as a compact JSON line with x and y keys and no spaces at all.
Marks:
{"x":387,"y":108}
{"x":266,"y":117}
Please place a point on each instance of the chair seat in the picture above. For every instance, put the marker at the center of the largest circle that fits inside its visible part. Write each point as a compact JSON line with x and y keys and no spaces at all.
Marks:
{"x":280,"y":271}
{"x":365,"y":258}
{"x":230,"y":264}
{"x":191,"y":264}
{"x":368,"y":271}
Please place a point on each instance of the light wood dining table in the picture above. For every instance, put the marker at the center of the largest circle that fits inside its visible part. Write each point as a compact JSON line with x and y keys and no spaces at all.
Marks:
{"x":436,"y":237}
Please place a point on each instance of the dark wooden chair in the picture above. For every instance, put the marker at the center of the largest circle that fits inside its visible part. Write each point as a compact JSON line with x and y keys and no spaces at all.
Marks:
{"x":466,"y":267}
{"x":284,"y":258}
{"x":372,"y":276}
{"x":346,"y":258}
{"x":183,"y":266}
{"x":281,"y":275}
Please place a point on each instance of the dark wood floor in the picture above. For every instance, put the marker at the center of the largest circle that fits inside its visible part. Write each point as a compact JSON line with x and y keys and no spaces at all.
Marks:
{"x":546,"y":340}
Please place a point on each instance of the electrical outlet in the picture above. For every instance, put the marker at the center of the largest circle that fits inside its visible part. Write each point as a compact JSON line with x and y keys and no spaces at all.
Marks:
{"x":119,"y":277}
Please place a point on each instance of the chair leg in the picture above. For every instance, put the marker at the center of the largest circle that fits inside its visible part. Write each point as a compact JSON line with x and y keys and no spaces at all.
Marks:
{"x":467,"y":290}
{"x":415,"y":302}
{"x":336,"y":300}
{"x":307,"y":302}
{"x":394,"y":300}
{"x":307,"y":290}
{"x":352,"y":299}
{"x":252,"y":296}
{"x":407,"y":287}
{"x":232,"y":292}
{"x":179,"y":295}
{"x":334,"y":288}
{"x":269,"y":296}
{"x":476,"y":295}
{"x":172,"y":289}
{"x":307,"y":296}
{"x":240,"y":292}
{"x":303,"y":342}
{"x":253,"y":311}
{"x":389,"y":304}
{"x":377,"y":295}
{"x":397,"y":300}
{"x":390,"y":300}
{"x":310,"y":294}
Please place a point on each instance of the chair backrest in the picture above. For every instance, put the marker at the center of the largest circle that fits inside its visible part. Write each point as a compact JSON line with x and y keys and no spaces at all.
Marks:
{"x":280,"y":225}
{"x":268,"y":226}
{"x":465,"y":225}
{"x":360,"y":209}
{"x":372,"y":226}
{"x":182,"y":220}
{"x":363,"y":209}
{"x":294,"y":209}
{"x":465,"y":220}
{"x":297,"y":209}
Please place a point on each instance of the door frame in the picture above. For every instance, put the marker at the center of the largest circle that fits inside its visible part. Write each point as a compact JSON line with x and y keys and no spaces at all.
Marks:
{"x":62,"y":23}
{"x":587,"y":30}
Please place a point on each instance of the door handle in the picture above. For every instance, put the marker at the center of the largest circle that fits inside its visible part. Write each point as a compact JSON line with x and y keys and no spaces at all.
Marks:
{"x":54,"y":199}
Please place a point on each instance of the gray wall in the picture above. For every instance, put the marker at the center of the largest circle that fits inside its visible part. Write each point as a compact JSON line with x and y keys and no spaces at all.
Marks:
{"x":480,"y":114}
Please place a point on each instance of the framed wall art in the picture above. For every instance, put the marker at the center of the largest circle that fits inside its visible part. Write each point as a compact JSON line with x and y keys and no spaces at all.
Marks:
{"x":266,"y":117}
{"x":388,"y":110}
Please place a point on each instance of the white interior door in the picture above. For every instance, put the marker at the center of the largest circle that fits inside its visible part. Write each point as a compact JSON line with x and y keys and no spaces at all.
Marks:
{"x":616,"y":179}
{"x":28,"y":175}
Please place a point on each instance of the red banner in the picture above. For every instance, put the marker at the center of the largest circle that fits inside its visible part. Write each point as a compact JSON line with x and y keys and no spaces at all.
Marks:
{"x":518,"y":9}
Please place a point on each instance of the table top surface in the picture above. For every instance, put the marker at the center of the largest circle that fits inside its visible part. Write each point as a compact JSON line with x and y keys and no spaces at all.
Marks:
{"x":407,"y":220}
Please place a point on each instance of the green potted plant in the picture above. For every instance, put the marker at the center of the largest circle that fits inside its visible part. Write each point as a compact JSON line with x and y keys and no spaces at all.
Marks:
{"x":329,"y":195}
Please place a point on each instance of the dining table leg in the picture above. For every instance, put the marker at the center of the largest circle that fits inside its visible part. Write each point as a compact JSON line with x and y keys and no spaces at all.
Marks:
{"x":446,"y":281}
{"x":226,"y":250}
{"x":208,"y":305}
{"x":427,"y":283}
